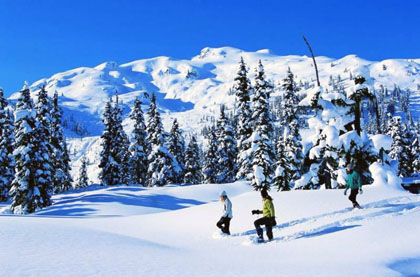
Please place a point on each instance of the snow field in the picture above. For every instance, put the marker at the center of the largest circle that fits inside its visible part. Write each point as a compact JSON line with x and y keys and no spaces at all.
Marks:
{"x":170,"y":231}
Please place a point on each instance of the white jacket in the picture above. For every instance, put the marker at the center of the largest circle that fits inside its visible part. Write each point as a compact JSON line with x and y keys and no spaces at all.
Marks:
{"x":227,"y":208}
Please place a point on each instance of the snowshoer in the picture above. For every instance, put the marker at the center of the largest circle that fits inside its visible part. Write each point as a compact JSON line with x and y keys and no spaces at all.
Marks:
{"x":354,"y":183}
{"x":268,"y":218}
{"x":224,"y":221}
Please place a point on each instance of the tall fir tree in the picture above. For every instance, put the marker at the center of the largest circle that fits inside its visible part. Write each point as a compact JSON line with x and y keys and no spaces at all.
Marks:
{"x":227,"y":149}
{"x":192,"y":163}
{"x":294,"y":151}
{"x":262,"y":146}
{"x":83,"y":179}
{"x":7,"y":162}
{"x":121,"y":145}
{"x":115,"y":154}
{"x":43,"y":148}
{"x":211,"y":165}
{"x":28,"y":192}
{"x":415,"y":153}
{"x":62,"y":179}
{"x":281,"y":178}
{"x":139,"y":146}
{"x":401,"y":146}
{"x":244,"y":123}
{"x":290,"y":99}
{"x":163,"y":167}
{"x":106,"y":164}
{"x":176,"y":146}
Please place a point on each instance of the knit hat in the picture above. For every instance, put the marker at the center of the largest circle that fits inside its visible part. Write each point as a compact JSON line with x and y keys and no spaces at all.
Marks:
{"x":350,"y":166}
{"x":223,"y":193}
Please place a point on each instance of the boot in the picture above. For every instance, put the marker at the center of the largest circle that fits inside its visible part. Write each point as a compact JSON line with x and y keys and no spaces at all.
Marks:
{"x":260,"y":235}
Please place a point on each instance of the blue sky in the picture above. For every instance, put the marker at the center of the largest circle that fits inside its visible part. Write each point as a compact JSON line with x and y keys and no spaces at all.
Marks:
{"x":39,"y":38}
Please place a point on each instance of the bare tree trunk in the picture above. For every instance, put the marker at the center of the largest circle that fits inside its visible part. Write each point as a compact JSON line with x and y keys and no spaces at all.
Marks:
{"x":313,"y":58}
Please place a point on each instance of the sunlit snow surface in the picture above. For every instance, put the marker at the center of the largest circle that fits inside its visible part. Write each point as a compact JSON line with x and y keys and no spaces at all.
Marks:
{"x":135,"y":231}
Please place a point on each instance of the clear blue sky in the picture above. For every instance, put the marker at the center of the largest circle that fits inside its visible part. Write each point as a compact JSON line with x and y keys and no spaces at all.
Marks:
{"x":41,"y":37}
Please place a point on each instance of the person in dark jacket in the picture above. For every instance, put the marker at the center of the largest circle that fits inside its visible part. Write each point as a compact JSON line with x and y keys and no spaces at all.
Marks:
{"x":354,"y":183}
{"x":268,"y":218}
{"x":224,"y":223}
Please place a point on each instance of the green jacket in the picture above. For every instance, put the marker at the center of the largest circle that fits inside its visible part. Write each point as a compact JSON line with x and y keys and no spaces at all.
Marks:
{"x":353,"y":180}
{"x":268,"y":208}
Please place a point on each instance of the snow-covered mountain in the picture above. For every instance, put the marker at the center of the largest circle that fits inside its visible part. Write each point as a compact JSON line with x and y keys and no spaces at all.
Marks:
{"x":192,"y":90}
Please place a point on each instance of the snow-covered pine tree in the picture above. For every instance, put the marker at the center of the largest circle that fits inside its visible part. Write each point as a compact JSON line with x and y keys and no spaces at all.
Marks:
{"x":176,"y":146}
{"x":293,"y":151}
{"x":163,"y":167}
{"x":281,"y":178}
{"x":28,"y":193}
{"x":139,"y":146}
{"x":211,"y":165}
{"x":415,"y":153}
{"x":43,"y":149}
{"x":115,"y":155}
{"x":107,"y":164}
{"x":121,"y":145}
{"x":401,"y":146}
{"x":192,"y":163}
{"x":7,"y":162}
{"x":227,"y":149}
{"x":244,"y":123}
{"x":60,"y":159}
{"x":83,"y":179}
{"x":290,"y":99}
{"x":262,"y":137}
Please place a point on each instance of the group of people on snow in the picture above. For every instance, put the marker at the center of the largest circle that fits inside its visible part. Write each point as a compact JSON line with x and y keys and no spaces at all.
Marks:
{"x":354,"y":183}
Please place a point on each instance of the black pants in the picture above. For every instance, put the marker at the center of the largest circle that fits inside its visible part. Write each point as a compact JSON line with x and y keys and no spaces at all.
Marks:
{"x":224,"y":224}
{"x":353,"y":196}
{"x":268,"y":222}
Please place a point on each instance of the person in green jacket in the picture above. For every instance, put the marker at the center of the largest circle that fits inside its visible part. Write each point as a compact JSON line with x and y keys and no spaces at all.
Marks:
{"x":268,"y":218}
{"x":354,"y":183}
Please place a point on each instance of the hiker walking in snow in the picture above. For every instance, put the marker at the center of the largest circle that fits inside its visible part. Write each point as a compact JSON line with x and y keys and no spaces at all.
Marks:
{"x":354,"y":183}
{"x":224,"y":221}
{"x":268,"y":218}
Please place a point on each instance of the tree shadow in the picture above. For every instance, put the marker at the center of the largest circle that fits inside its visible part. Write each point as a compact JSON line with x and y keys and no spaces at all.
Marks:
{"x":84,"y":205}
{"x":407,"y":267}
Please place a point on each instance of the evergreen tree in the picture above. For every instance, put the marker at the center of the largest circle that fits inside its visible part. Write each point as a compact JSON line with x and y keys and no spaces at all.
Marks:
{"x":211,"y":165}
{"x":7,"y":163}
{"x":60,"y":159}
{"x":121,"y":145}
{"x":226,"y":148}
{"x":293,"y":152}
{"x":415,"y":153}
{"x":176,"y":146}
{"x":29,"y":192}
{"x":244,"y":124}
{"x":115,"y":155}
{"x":401,"y":146}
{"x":43,"y":149}
{"x":138,"y":146}
{"x":83,"y":179}
{"x":163,"y":167}
{"x":290,"y":99}
{"x":263,"y":150}
{"x":106,"y":164}
{"x":192,"y":163}
{"x":281,"y":178}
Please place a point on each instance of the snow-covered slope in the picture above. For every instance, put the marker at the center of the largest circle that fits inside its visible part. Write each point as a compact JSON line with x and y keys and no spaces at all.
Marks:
{"x":192,"y":90}
{"x":170,"y":231}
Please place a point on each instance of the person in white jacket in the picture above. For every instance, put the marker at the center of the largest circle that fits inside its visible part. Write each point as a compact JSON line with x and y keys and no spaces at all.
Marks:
{"x":224,"y":221}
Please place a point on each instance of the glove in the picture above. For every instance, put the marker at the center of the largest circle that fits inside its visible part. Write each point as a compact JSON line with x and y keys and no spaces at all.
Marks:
{"x":255,"y":211}
{"x":345,"y":192}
